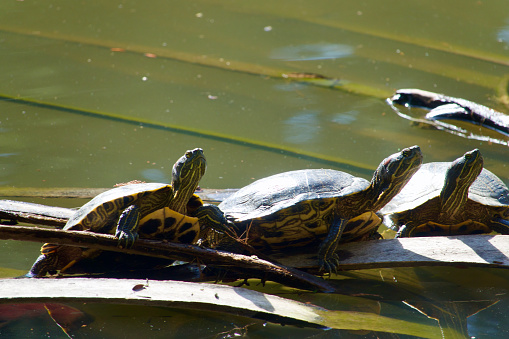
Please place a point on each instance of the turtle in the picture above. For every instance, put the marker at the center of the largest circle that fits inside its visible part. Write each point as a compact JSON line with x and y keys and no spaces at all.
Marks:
{"x":162,"y":209}
{"x":312,"y":206}
{"x":450,"y":198}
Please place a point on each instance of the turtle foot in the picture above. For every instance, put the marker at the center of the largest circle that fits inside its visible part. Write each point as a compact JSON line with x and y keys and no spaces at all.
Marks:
{"x":126,"y":239}
{"x":211,"y":217}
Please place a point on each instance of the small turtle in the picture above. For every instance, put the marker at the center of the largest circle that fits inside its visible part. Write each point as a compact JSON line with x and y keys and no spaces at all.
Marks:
{"x":454,"y":198}
{"x":119,"y":210}
{"x":299,"y":208}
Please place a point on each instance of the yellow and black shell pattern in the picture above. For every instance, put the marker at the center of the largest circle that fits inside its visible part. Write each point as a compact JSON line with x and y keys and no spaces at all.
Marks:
{"x":486,"y":210}
{"x":169,"y":225}
{"x":293,"y":209}
{"x":101,"y":214}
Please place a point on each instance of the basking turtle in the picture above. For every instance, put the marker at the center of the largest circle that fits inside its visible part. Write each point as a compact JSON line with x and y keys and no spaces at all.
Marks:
{"x":455,"y":198}
{"x":310,"y":206}
{"x":119,"y":210}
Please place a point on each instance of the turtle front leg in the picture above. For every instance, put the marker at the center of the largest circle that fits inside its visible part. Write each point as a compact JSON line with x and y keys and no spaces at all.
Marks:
{"x":127,"y":227}
{"x":211,"y":217}
{"x":327,"y":257}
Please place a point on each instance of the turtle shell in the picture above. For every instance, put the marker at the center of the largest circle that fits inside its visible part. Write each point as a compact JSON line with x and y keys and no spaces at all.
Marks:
{"x":294,"y":209}
{"x":270,"y":195}
{"x":102,"y":213}
{"x":427,"y":184}
{"x":489,"y":190}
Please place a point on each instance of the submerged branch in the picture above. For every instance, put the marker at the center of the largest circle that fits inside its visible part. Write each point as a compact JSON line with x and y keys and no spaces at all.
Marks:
{"x":204,"y":60}
{"x":231,"y":139}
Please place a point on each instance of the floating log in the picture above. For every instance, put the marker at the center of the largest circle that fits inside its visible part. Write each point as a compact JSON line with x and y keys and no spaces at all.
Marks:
{"x":203,"y":297}
{"x":34,"y":213}
{"x":206,"y":194}
{"x":446,"y":107}
{"x":485,"y":250}
{"x":57,"y":216}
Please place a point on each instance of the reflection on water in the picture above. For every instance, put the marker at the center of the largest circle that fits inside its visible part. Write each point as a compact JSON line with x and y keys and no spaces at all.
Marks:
{"x":488,"y":323}
{"x":290,"y":86}
{"x":301,"y":128}
{"x":312,"y":52}
{"x":345,"y":118}
{"x":154,"y":175}
{"x":503,"y":34}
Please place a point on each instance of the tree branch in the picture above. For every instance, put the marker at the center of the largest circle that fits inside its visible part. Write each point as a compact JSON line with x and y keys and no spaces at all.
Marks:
{"x":250,"y":265}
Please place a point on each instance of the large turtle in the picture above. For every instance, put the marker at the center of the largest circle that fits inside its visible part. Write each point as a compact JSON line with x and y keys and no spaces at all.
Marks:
{"x":450,"y":198}
{"x":119,"y":211}
{"x":311,"y":206}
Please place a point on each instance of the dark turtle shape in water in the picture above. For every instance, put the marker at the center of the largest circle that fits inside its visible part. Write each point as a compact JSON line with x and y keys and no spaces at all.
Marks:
{"x":311,"y":206}
{"x":119,"y":210}
{"x":450,"y":198}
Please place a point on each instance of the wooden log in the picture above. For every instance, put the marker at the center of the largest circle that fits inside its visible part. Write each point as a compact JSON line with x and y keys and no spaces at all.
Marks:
{"x":34,"y":213}
{"x":200,"y":296}
{"x":485,"y":250}
{"x":57,"y":216}
{"x":206,"y":194}
{"x":203,"y":297}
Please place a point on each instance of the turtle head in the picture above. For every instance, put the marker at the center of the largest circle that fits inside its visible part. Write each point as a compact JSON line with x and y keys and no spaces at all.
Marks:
{"x":393,"y":173}
{"x":188,"y":171}
{"x":458,"y":178}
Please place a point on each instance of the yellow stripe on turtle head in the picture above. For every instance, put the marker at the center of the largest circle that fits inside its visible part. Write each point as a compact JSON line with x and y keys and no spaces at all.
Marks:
{"x":186,"y":175}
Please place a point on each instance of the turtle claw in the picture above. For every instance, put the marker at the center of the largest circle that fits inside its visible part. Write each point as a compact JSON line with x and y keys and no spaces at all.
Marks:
{"x":127,"y":226}
{"x":212,"y":217}
{"x":126,"y":239}
{"x":402,"y":232}
{"x":330,"y":264}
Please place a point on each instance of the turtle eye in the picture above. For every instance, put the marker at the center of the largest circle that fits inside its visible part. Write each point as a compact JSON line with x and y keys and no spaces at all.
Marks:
{"x":468,"y":156}
{"x":406,"y":152}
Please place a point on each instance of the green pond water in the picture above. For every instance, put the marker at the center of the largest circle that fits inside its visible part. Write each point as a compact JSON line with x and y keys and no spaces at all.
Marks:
{"x":100,"y":92}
